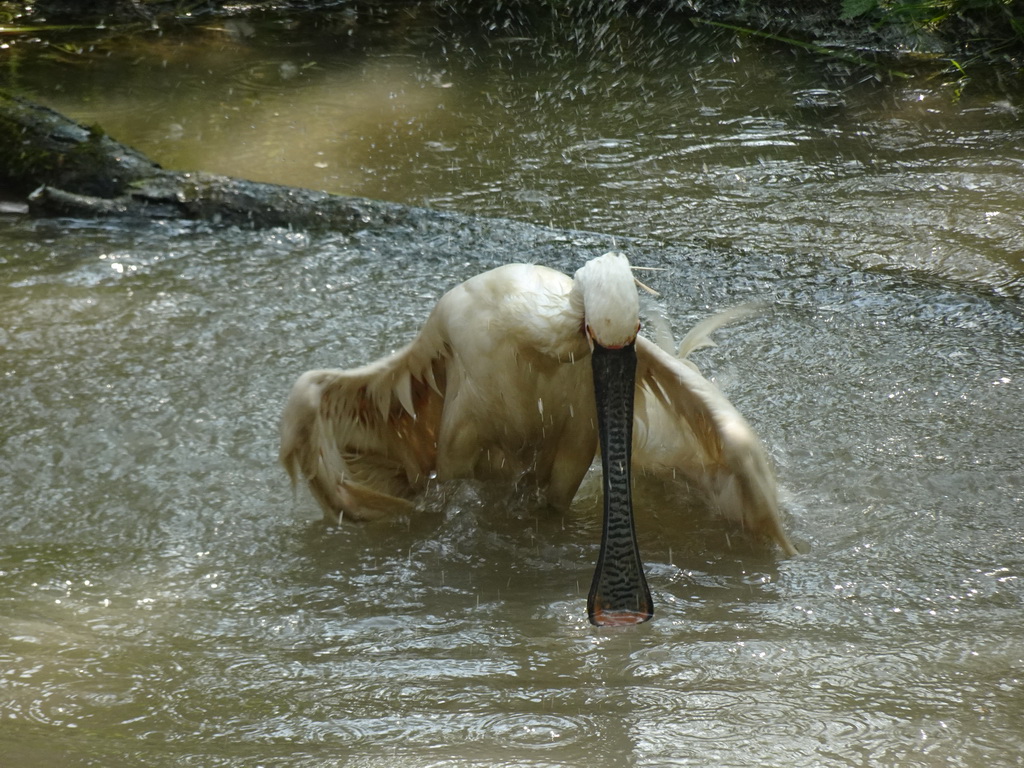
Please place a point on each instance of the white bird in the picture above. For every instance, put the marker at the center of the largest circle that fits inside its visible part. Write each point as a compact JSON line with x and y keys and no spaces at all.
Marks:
{"x":524,"y":372}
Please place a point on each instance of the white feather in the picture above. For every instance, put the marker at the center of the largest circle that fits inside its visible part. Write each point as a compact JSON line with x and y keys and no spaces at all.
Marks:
{"x":498,"y":384}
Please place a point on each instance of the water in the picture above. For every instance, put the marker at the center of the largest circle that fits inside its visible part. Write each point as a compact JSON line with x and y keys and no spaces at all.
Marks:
{"x":167,"y":601}
{"x":636,"y":127}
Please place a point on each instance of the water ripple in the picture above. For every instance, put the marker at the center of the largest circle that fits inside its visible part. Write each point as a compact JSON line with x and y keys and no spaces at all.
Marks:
{"x":534,"y":731}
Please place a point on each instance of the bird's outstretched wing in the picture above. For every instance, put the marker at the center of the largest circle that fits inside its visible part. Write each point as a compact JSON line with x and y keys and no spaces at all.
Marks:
{"x":365,"y":439}
{"x":684,"y":424}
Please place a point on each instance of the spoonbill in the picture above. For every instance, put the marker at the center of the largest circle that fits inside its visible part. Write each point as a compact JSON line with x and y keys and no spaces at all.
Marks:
{"x":523,"y":372}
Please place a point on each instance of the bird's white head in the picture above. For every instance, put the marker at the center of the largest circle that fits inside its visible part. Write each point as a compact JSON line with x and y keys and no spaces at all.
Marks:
{"x":604,"y":292}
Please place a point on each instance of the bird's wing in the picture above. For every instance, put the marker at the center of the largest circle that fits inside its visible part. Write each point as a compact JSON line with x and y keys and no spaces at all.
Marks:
{"x":365,"y":439}
{"x":685,"y":424}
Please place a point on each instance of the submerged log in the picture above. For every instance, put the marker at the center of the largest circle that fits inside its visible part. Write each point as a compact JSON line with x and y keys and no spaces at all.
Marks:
{"x":39,"y":146}
{"x":68,"y":169}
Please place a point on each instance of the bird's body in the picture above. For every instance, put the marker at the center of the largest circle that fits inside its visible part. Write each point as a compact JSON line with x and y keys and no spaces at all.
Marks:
{"x":500,"y":384}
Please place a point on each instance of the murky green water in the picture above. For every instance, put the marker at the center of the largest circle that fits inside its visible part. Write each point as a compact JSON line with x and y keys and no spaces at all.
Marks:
{"x":164,"y":599}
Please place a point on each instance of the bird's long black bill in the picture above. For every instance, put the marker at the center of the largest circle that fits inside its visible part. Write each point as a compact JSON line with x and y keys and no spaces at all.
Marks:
{"x":619,"y":592}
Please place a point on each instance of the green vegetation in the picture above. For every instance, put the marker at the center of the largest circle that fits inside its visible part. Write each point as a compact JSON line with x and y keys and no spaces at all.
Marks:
{"x":996,"y":25}
{"x":966,"y":30}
